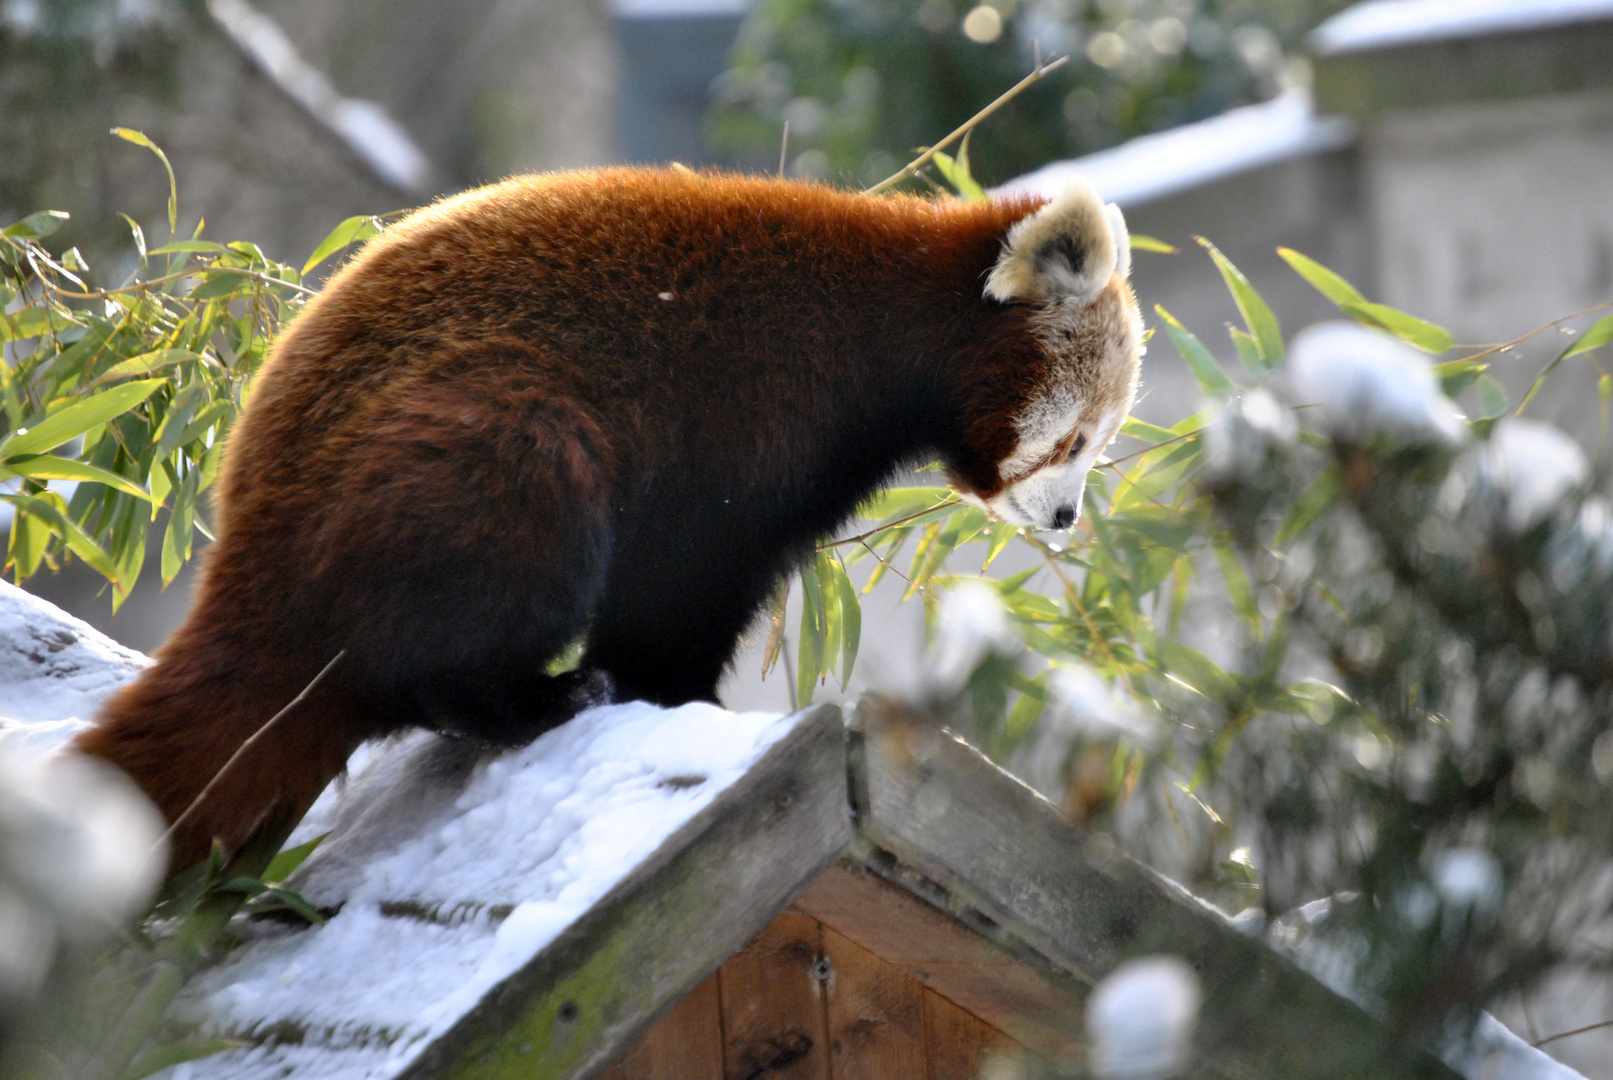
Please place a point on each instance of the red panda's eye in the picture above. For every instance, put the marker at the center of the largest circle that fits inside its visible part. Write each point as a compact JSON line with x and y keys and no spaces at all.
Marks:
{"x":1079,"y":445}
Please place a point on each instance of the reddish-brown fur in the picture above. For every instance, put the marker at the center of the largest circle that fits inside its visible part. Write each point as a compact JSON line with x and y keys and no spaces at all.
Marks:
{"x":491,"y":428}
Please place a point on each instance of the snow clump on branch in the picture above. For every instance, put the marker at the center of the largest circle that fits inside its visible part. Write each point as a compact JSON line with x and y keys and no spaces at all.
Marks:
{"x":1140,"y":1019}
{"x":1368,"y":383}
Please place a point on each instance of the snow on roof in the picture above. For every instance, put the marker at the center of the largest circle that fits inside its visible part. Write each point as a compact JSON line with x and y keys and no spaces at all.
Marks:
{"x":1153,"y":166}
{"x":676,"y":9}
{"x":53,"y":666}
{"x":430,"y":921}
{"x":367,"y":128}
{"x":1386,"y":24}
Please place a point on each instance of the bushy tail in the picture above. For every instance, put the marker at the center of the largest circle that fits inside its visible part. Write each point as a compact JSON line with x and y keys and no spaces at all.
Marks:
{"x":176,"y":729}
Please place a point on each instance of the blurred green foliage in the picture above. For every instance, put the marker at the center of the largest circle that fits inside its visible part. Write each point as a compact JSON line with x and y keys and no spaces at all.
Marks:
{"x":126,"y":392}
{"x":864,"y":82}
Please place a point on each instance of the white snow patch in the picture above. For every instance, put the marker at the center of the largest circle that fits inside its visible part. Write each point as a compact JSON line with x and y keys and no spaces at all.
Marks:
{"x":1241,"y":430}
{"x":1089,"y":703}
{"x":971,"y":625}
{"x":1140,"y":1019}
{"x":1153,"y":166}
{"x":1535,"y":463}
{"x":1385,"y":24}
{"x":1369,"y":383}
{"x":1490,"y":1052}
{"x":52,"y":666}
{"x":80,"y":855}
{"x":1468,"y":879}
{"x":490,"y":877}
{"x":676,"y":9}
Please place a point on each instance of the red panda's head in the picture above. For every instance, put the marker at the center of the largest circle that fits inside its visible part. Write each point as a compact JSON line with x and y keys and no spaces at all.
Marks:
{"x":1068,"y":262}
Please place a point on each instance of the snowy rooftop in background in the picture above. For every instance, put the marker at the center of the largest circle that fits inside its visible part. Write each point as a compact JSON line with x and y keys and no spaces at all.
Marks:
{"x":1387,"y":24}
{"x":676,"y":9}
{"x":368,"y":129}
{"x":1153,"y":166}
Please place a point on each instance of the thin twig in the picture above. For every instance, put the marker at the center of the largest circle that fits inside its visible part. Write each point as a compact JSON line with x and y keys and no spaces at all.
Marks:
{"x":1075,"y":601}
{"x":912,"y":167}
{"x":915,"y":586}
{"x":1576,"y":1031}
{"x":244,"y":747}
{"x":1156,"y":446}
{"x":144,"y":285}
{"x":1491,"y":350}
{"x":783,"y":149}
{"x":950,"y":500}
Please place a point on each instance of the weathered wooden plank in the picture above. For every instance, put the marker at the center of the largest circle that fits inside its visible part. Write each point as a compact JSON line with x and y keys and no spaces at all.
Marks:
{"x":772,"y":1005}
{"x":1000,"y":858}
{"x":1026,"y":997}
{"x":685,"y":1044}
{"x":959,"y":1041}
{"x":876,"y":1015}
{"x":591,"y":993}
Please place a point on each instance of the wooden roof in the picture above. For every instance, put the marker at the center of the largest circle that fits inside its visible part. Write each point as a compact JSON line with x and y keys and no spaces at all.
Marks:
{"x":898,"y":839}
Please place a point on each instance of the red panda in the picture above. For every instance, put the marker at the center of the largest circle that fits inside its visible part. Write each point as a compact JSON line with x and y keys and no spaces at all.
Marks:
{"x":619,"y":405}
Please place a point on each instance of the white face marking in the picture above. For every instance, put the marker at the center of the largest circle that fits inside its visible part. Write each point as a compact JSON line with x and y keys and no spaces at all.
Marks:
{"x":1037,"y":498}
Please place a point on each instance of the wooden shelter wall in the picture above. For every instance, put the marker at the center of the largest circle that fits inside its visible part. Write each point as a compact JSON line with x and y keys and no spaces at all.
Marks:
{"x":803,"y":1002}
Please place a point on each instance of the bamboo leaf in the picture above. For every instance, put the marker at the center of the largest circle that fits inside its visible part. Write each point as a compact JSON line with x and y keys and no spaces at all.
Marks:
{"x":196,"y":247}
{"x":177,"y":1053}
{"x":1248,"y":352}
{"x":177,"y":419}
{"x":351,"y":231}
{"x":1457,"y":375}
{"x":51,"y":509}
{"x":1239,"y":590}
{"x":176,"y":542}
{"x":288,"y":860}
{"x":956,"y":173}
{"x":1143,"y":430}
{"x":139,"y":139}
{"x":1413,"y":331}
{"x":1211,"y":379}
{"x":1325,"y":281}
{"x":1140,"y":242}
{"x":1001,"y":533}
{"x":829,"y":603}
{"x":1600,"y":333}
{"x":27,"y":543}
{"x":139,"y":235}
{"x":809,"y":651}
{"x":35,"y":321}
{"x":46,"y":467}
{"x":221,"y":283}
{"x":775,"y":633}
{"x":1309,"y":506}
{"x":36,"y":225}
{"x":75,"y":420}
{"x":147,"y":362}
{"x":851,"y":621}
{"x":1492,"y":397}
{"x":1262,"y":324}
{"x":901,"y":501}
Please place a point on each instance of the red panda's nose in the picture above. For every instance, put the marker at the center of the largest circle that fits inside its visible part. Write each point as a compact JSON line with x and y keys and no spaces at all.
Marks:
{"x":1064,"y":517}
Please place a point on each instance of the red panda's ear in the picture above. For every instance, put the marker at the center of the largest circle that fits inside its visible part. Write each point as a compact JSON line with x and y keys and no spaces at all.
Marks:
{"x":1067,"y":249}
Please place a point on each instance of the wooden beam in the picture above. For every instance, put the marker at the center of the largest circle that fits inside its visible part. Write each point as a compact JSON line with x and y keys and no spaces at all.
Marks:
{"x":720,"y":879}
{"x":773,"y":1022}
{"x":1023,"y":996}
{"x":945,"y":823}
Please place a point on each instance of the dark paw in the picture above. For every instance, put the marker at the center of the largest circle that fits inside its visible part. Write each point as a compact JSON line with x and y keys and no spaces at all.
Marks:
{"x":590,"y":688}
